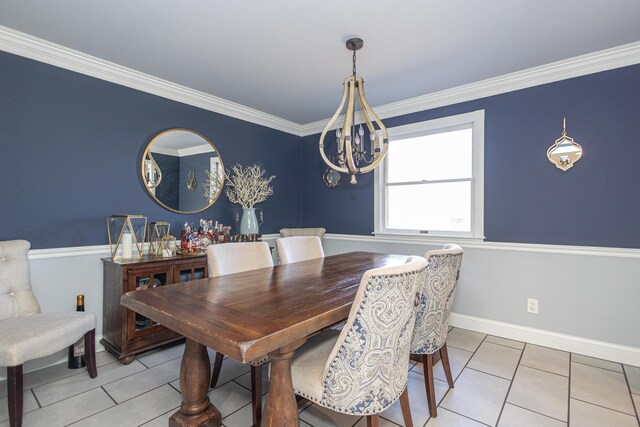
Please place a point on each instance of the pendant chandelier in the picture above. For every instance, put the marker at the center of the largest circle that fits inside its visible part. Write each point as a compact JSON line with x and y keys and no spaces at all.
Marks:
{"x":352,"y":156}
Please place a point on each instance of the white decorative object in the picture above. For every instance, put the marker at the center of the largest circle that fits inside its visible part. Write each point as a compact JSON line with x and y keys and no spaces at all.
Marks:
{"x":127,"y":246}
{"x":248,"y":186}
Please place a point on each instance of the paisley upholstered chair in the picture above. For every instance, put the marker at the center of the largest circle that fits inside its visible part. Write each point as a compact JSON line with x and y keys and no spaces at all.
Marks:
{"x":432,"y":320}
{"x":236,"y":258}
{"x":299,"y":248}
{"x":362,"y":370}
{"x":25,"y":332}
{"x":318,"y":231}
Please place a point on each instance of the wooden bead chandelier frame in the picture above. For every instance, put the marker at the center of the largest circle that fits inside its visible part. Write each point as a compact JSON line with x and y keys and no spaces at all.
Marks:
{"x":352,"y":157}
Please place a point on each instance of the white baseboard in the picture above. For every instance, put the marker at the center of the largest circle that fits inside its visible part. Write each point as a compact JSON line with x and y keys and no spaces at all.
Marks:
{"x":588,"y":347}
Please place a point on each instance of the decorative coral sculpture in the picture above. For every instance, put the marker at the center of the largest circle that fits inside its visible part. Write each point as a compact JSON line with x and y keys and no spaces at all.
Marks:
{"x":248,"y":186}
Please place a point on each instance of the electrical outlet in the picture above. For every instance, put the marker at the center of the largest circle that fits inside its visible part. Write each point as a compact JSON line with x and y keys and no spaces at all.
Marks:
{"x":532,"y":305}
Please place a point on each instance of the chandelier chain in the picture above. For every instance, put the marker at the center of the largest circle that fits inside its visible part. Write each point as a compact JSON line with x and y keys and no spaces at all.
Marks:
{"x":354,"y":64}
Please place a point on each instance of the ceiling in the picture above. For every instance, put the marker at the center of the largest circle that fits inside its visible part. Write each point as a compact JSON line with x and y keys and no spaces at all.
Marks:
{"x":287,"y":57}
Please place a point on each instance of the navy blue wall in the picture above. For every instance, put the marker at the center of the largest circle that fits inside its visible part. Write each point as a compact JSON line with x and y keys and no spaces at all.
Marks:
{"x":527,"y":199}
{"x":71,"y":147}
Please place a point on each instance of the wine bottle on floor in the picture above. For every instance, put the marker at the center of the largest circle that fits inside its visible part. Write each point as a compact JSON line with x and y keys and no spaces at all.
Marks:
{"x":76,"y":350}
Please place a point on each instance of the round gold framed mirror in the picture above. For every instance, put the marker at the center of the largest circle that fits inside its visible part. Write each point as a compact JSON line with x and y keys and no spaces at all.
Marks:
{"x":182,"y":170}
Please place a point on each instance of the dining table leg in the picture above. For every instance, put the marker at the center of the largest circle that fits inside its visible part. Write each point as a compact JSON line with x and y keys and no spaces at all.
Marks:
{"x":196,"y":408}
{"x":281,"y":408}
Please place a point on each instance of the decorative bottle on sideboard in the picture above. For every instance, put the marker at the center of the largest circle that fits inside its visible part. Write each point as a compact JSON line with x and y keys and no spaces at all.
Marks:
{"x":76,"y":350}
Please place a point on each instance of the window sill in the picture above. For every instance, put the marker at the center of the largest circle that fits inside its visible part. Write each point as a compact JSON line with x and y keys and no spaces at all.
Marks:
{"x":435,"y":238}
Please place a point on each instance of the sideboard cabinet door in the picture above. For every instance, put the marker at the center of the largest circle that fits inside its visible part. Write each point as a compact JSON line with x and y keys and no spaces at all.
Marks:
{"x":126,"y":333}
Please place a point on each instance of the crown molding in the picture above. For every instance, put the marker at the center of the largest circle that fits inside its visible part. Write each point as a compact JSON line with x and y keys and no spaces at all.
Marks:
{"x":608,"y":59}
{"x":31,"y":47}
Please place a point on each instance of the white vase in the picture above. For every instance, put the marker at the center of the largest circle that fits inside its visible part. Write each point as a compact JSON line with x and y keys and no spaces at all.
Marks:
{"x":249,"y":222}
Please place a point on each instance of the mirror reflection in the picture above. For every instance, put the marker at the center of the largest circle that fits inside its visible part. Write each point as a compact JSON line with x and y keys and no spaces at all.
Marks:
{"x":182,"y":170}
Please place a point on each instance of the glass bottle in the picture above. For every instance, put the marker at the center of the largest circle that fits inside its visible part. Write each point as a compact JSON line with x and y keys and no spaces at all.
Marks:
{"x":76,"y":350}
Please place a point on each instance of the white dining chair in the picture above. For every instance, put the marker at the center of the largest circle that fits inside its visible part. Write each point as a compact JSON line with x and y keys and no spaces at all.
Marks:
{"x":299,"y":248}
{"x":311,"y":231}
{"x":362,"y":370}
{"x":432,"y":319}
{"x":26,"y":333}
{"x":230,"y":258}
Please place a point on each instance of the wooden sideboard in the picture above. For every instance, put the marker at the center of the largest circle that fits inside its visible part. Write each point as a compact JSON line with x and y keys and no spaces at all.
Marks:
{"x":124,"y":332}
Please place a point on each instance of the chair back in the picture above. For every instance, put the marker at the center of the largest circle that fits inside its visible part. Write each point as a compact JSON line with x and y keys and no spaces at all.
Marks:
{"x":16,"y":297}
{"x":436,"y":299}
{"x":229,"y":258}
{"x":367,"y":369}
{"x":288,"y":232}
{"x":299,"y":248}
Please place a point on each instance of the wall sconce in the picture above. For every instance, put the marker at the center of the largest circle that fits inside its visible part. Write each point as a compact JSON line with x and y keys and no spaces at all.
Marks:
{"x":565,"y":152}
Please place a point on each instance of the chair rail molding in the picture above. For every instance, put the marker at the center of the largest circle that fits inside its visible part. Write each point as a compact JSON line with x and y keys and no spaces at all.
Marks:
{"x":38,"y":49}
{"x":395,"y":238}
{"x":498,"y":246}
{"x":35,"y":254}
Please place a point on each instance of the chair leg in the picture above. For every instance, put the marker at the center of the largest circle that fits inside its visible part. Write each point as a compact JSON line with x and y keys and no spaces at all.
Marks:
{"x":444,"y":356}
{"x":14,"y":389}
{"x":373,"y":421}
{"x":217,"y":366}
{"x":406,"y":409}
{"x":256,"y":394}
{"x":427,"y":362}
{"x":90,"y":353}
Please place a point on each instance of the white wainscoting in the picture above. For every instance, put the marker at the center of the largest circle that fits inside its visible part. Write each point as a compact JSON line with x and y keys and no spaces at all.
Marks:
{"x":588,"y":296}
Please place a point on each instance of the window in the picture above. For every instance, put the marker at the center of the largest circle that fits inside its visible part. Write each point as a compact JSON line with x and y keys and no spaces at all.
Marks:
{"x":431,"y":181}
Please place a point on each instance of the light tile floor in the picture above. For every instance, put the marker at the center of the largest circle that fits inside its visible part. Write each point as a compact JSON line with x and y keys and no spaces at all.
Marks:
{"x":498,"y":382}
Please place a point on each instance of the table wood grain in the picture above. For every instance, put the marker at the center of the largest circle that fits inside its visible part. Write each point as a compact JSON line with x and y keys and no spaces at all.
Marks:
{"x":271,"y":310}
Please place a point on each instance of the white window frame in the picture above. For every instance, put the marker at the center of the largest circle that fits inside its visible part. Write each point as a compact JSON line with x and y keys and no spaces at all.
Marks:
{"x":474,"y":119}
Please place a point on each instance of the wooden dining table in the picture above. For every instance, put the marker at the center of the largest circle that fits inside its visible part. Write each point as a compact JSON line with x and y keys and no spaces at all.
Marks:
{"x":249,"y":315}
